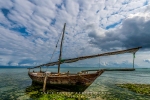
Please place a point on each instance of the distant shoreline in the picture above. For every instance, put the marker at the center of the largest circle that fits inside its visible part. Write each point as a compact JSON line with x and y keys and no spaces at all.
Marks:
{"x":62,"y":67}
{"x":14,"y":67}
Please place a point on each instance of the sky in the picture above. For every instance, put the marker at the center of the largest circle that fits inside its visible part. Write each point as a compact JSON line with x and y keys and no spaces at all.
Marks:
{"x":30,"y":29}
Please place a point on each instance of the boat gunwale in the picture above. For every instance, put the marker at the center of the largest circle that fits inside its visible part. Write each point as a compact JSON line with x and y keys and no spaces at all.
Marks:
{"x":65,"y":75}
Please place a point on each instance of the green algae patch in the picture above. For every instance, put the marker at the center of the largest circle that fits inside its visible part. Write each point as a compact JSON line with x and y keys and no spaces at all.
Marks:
{"x":138,"y":88}
{"x":62,"y":96}
{"x":57,"y":96}
{"x":35,"y":93}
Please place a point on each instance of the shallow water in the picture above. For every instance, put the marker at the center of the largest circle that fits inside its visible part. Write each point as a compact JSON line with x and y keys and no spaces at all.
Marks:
{"x":15,"y":81}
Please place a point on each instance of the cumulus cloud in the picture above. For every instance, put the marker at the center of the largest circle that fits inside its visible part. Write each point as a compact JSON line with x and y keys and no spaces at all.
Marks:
{"x":147,"y":60}
{"x":133,"y":32}
{"x":29,"y":29}
{"x":123,"y":64}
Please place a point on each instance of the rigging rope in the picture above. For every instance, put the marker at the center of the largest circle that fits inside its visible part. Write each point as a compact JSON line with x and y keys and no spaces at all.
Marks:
{"x":55,"y":48}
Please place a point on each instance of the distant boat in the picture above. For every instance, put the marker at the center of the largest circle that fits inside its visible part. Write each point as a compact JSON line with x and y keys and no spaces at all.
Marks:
{"x":71,"y":81}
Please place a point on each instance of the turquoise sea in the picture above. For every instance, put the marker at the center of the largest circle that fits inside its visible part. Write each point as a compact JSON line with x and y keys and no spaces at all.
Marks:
{"x":15,"y":81}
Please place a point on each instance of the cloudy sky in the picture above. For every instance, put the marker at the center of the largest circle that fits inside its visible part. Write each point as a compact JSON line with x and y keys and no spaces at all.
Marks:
{"x":30,"y":29}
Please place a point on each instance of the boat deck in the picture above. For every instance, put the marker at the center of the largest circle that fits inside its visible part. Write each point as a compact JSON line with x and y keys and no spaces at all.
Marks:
{"x":42,"y":74}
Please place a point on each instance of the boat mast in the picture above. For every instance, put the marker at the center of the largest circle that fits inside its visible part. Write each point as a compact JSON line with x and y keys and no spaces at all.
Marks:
{"x":59,"y":60}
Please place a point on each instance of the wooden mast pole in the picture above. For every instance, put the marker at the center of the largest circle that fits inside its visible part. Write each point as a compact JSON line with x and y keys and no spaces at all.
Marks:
{"x":61,"y":49}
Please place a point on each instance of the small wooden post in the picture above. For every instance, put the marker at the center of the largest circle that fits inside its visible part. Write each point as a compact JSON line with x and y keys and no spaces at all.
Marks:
{"x":67,"y":73}
{"x":44,"y":85}
{"x":133,"y":59}
{"x":40,"y":69}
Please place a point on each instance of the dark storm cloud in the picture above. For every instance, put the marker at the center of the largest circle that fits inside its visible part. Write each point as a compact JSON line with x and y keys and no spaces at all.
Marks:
{"x":134,"y":32}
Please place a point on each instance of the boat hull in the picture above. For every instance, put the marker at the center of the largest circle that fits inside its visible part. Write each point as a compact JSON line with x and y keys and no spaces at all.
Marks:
{"x":67,"y":82}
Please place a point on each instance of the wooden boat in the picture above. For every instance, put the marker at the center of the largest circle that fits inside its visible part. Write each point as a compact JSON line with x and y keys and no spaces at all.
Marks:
{"x":67,"y":81}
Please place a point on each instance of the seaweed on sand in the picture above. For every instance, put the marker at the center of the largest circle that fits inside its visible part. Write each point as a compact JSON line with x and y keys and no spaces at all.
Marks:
{"x":138,"y":88}
{"x":35,"y":92}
